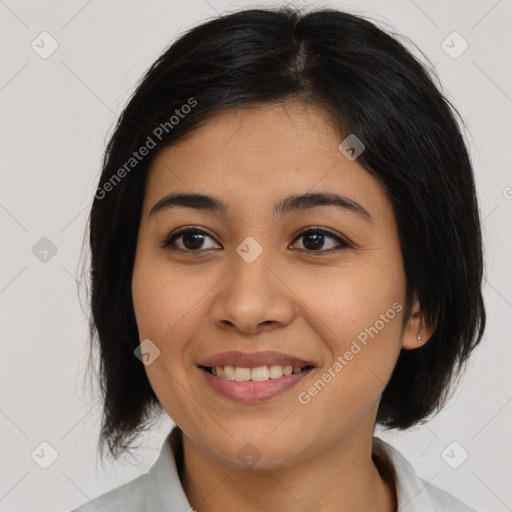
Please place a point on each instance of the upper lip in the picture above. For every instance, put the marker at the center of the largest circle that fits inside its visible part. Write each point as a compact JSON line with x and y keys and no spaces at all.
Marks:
{"x":254,"y":359}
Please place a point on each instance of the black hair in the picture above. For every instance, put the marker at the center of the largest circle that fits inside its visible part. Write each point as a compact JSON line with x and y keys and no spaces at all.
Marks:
{"x":368,"y":84}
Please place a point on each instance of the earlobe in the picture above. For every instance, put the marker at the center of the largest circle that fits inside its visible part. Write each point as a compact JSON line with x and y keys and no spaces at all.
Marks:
{"x":416,"y":333}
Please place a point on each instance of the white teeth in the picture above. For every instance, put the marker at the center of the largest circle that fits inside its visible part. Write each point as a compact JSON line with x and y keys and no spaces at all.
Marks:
{"x":275,"y":371}
{"x":258,"y":374}
{"x":229,"y":372}
{"x":242,"y":374}
{"x":287,"y":370}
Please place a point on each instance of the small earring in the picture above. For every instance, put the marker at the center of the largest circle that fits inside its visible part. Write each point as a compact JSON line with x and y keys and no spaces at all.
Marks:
{"x":419,"y":335}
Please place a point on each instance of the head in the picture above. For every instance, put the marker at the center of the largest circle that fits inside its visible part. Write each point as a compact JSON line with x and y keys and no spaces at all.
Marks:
{"x":251,"y":109}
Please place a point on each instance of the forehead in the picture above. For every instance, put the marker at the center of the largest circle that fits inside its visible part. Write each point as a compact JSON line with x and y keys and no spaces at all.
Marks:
{"x":254,"y":156}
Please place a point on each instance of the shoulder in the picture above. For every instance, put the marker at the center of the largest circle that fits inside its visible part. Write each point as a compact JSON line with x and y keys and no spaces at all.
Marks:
{"x":129,"y":497}
{"x":413,"y":493}
{"x":158,"y":490}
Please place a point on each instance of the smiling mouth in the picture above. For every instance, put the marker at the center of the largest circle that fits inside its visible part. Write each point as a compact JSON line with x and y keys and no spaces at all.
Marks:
{"x":257,"y":374}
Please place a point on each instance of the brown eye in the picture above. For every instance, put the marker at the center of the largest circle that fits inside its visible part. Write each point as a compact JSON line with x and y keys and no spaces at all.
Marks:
{"x":189,"y":240}
{"x":314,"y":240}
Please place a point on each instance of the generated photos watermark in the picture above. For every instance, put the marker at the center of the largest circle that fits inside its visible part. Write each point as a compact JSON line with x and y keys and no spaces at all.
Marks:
{"x":151,"y":142}
{"x":344,"y":359}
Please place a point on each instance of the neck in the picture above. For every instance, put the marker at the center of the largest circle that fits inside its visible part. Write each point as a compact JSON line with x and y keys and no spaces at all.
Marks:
{"x":342,"y":479}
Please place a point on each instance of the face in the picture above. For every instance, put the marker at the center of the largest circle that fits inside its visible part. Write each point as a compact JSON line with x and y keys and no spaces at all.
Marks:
{"x":322,"y":283}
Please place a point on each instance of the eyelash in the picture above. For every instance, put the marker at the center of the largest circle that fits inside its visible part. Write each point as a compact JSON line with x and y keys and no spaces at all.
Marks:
{"x":168,"y":243}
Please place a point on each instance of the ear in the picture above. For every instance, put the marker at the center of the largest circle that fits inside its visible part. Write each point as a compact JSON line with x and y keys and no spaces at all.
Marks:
{"x":416,"y":332}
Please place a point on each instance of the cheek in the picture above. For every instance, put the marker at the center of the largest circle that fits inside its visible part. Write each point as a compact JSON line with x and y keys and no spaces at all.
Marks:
{"x":359,"y":320}
{"x":166,"y":305}
{"x":171,"y":306}
{"x":166,"y":301}
{"x":343,"y":302}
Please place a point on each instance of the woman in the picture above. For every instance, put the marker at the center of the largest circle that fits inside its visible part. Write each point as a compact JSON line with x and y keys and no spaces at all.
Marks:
{"x":286,"y":250}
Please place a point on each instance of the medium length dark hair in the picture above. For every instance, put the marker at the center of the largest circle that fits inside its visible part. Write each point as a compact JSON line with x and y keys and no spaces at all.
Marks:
{"x":368,"y":84}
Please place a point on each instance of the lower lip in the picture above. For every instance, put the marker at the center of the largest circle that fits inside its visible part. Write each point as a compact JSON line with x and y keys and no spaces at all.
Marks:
{"x":251,"y":392}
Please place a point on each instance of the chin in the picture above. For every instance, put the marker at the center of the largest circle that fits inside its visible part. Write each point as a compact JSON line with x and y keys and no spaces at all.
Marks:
{"x":252,"y":452}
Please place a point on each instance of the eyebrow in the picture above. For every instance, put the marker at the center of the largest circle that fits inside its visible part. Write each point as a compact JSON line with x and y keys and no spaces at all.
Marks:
{"x":292,"y":203}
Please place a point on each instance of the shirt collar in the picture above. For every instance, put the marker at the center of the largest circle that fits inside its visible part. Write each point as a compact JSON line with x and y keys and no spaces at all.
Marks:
{"x":409,"y":487}
{"x":166,"y":494}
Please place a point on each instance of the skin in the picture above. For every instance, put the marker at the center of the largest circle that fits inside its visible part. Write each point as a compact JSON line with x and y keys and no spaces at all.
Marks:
{"x":308,"y":302}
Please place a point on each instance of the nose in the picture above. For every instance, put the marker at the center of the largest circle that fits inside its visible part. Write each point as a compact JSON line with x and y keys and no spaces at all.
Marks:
{"x":253,"y":297}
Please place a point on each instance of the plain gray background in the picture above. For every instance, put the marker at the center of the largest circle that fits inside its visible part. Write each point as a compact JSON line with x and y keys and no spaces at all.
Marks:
{"x":57,"y":113}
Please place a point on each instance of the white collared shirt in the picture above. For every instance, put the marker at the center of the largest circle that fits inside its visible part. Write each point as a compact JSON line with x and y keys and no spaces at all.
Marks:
{"x":160,"y":490}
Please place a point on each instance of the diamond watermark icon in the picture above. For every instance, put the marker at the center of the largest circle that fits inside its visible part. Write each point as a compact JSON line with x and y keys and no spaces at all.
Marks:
{"x":454,"y":455}
{"x":249,"y":454}
{"x":44,"y":455}
{"x":454,"y":45}
{"x":44,"y":45}
{"x":147,"y":352}
{"x":352,"y":147}
{"x":249,"y":249}
{"x":44,"y":250}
